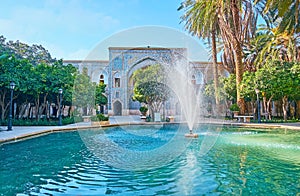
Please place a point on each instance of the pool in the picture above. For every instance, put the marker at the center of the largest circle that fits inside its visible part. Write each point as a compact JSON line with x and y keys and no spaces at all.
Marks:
{"x":239,"y":161}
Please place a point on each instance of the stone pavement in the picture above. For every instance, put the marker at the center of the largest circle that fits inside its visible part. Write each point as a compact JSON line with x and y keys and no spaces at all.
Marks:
{"x":20,"y":132}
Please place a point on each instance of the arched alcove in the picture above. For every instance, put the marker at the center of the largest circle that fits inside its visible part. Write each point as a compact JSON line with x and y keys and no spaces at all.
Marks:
{"x":117,"y":108}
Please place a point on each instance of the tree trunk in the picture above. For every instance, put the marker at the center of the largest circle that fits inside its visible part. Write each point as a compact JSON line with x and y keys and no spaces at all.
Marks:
{"x":2,"y":111}
{"x":37,"y":106}
{"x":231,"y":31}
{"x":254,"y":110}
{"x":284,"y":107}
{"x":2,"y":103}
{"x":44,"y":105}
{"x":298,"y":109}
{"x":215,"y":71}
{"x":22,"y":109}
{"x":239,"y":69}
{"x":269,"y":108}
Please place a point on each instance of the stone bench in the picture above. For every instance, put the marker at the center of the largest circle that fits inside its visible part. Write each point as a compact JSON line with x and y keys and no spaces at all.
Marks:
{"x":243,"y":118}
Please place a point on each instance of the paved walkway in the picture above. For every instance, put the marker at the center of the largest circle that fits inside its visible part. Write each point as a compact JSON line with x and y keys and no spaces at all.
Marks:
{"x":20,"y":132}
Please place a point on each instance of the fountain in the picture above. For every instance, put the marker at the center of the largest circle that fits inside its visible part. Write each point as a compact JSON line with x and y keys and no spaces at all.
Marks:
{"x":186,"y":105}
{"x":179,"y":77}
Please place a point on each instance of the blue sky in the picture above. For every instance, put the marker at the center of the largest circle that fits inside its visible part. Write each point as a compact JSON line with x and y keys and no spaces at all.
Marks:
{"x":70,"y":29}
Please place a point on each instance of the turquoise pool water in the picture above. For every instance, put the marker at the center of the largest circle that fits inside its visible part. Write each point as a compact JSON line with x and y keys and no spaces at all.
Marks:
{"x":240,"y":162}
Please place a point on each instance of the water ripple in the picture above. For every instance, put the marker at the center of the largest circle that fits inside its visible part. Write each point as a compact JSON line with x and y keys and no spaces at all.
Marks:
{"x":237,"y":164}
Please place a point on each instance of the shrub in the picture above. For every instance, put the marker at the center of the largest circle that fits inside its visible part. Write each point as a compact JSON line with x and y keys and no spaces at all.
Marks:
{"x":234,"y":107}
{"x":99,"y":117}
{"x":143,"y":110}
{"x":42,"y":122}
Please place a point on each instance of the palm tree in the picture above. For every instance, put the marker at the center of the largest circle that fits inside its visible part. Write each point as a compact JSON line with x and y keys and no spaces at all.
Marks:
{"x":284,"y":14}
{"x":237,"y":20}
{"x":200,"y":19}
{"x":234,"y":20}
{"x":279,"y":38}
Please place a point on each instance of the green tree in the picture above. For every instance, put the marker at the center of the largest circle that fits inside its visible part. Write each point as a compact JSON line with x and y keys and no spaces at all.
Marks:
{"x":35,"y":54}
{"x":149,"y":87}
{"x":284,"y":83}
{"x":63,"y":77}
{"x":276,"y":81}
{"x":101,"y":99}
{"x":84,"y":92}
{"x":236,"y":21}
{"x":12,"y":69}
{"x":281,"y":14}
{"x":229,"y":86}
{"x":36,"y":83}
{"x":279,"y":38}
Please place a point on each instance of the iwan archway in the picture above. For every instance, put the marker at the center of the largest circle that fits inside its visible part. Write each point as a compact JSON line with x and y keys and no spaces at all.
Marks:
{"x":124,"y":62}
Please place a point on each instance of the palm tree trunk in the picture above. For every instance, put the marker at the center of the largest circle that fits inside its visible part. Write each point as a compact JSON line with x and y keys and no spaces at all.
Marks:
{"x":239,"y":70}
{"x":231,"y":34}
{"x":215,"y":70}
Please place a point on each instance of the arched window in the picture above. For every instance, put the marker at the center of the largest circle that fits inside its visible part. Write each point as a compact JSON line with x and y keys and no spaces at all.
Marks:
{"x":101,"y":79}
{"x":199,"y":78}
{"x":117,"y":80}
{"x":193,"y":79}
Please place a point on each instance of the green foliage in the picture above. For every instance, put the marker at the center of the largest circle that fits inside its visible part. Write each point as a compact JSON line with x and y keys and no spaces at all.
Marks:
{"x":209,"y":90}
{"x":248,"y":85}
{"x":144,"y":79}
{"x":275,"y":79}
{"x":35,"y":54}
{"x":234,"y":107}
{"x":149,"y":87}
{"x":279,"y":79}
{"x":150,"y":73}
{"x":229,"y":87}
{"x":84,"y":91}
{"x":272,"y":45}
{"x":143,"y":109}
{"x":100,"y":117}
{"x":42,"y":122}
{"x":282,"y":14}
{"x":37,"y":76}
{"x":100,"y":98}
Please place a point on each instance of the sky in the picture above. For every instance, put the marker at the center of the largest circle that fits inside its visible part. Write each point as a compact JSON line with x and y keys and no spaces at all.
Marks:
{"x":72,"y":29}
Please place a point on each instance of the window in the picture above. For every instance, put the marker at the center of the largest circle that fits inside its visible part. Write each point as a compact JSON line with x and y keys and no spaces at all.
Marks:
{"x":193,"y":79}
{"x":117,"y":80}
{"x":101,"y":79}
{"x":199,"y":78}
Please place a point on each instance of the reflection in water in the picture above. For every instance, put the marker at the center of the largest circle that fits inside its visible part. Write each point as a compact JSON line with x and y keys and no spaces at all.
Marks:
{"x":241,"y":162}
{"x":243,"y":159}
{"x":188,"y":174}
